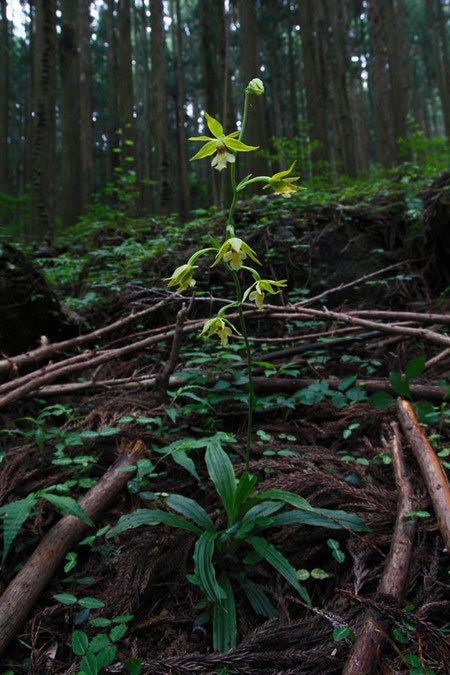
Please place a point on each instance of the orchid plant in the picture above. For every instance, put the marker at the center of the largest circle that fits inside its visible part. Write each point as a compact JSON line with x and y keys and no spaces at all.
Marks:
{"x":227,"y":550}
{"x":234,"y":250}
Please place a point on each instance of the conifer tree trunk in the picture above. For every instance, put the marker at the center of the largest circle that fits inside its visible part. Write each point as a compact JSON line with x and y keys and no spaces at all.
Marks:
{"x":86,"y":135}
{"x":159,"y":91}
{"x":70,"y":114}
{"x":315,"y":97}
{"x":440,"y":57}
{"x":143,"y":119}
{"x":126,"y":100}
{"x":184,"y":195}
{"x":113,"y":94}
{"x":43,"y":113}
{"x":384,"y":135}
{"x":4,"y":98}
{"x":256,"y":132}
{"x":397,"y":77}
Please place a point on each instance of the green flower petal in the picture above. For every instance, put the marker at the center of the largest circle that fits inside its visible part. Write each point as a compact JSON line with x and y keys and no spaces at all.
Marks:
{"x":208,"y":149}
{"x":238,"y":146}
{"x":214,"y":126}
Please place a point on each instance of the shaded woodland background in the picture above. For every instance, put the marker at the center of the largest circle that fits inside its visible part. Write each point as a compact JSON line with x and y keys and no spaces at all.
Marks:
{"x":103,"y":96}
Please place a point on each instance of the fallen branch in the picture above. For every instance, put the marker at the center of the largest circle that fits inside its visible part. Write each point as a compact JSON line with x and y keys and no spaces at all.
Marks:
{"x":23,"y":591}
{"x":422,"y":333}
{"x":274,"y":384}
{"x":83,"y":361}
{"x":41,"y":353}
{"x":364,"y":655}
{"x":430,"y":467}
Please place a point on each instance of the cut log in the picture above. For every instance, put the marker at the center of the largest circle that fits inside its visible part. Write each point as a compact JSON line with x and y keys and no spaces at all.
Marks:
{"x":364,"y":655}
{"x":25,"y":588}
{"x":430,"y":467}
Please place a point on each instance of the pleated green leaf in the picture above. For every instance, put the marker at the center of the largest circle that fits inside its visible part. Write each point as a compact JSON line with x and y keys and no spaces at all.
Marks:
{"x":224,"y":618}
{"x":221,"y":472}
{"x":15,"y":514}
{"x":204,"y":569}
{"x":151,"y":517}
{"x":190,"y":509}
{"x":67,"y":506}
{"x":279,"y":562}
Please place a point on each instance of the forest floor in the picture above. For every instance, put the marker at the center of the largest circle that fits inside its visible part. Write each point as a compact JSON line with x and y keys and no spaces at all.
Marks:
{"x":316,"y":432}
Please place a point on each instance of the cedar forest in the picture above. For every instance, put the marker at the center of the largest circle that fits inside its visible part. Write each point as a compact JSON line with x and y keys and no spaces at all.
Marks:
{"x":224,"y":348}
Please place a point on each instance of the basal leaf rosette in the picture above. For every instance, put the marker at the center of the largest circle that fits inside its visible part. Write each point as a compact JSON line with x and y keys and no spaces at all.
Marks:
{"x":223,"y":146}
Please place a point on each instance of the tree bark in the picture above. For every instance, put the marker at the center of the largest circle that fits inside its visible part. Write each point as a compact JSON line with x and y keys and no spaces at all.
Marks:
{"x":24,"y":590}
{"x":177,"y":47}
{"x":160,"y":113}
{"x":113,"y":95}
{"x":256,"y":130}
{"x":313,"y":69}
{"x":126,"y":99}
{"x":86,"y":130}
{"x":70,"y":114}
{"x":384,"y":134}
{"x":430,"y":468}
{"x":4,"y":99}
{"x":43,"y":113}
{"x":363,"y":656}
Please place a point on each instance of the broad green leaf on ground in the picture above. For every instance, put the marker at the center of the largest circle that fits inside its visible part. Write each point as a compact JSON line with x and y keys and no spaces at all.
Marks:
{"x":224,"y":618}
{"x":204,"y":569}
{"x":14,"y":516}
{"x":221,"y":472}
{"x":151,"y":517}
{"x":190,"y":509}
{"x":280,"y":563}
{"x":67,"y":506}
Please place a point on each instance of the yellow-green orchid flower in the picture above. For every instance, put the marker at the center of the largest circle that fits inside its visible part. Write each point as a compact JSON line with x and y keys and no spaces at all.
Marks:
{"x":220,"y":144}
{"x":257,"y":296}
{"x":182,"y":277}
{"x":239,"y":250}
{"x":283,"y":186}
{"x":219,"y":326}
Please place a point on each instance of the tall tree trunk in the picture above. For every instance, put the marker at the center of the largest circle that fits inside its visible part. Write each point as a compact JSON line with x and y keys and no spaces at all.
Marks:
{"x":4,"y":98}
{"x":126,"y":99}
{"x":177,"y":48}
{"x":435,"y":18}
{"x":340,"y":27}
{"x":143,"y":116}
{"x":256,"y":132}
{"x":160,"y":113}
{"x":397,"y":77}
{"x":43,"y":112}
{"x":70,"y":115}
{"x":316,"y":100}
{"x":113,"y":94}
{"x":384,"y":135}
{"x":408,"y":61}
{"x":86,"y":135}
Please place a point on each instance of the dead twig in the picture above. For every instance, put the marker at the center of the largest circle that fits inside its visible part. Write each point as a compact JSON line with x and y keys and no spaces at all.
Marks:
{"x":41,"y":353}
{"x":365,"y":652}
{"x":23,"y":591}
{"x":430,"y":467}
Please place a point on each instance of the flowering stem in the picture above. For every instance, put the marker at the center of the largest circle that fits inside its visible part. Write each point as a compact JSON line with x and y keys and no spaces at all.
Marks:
{"x":230,"y":233}
{"x":251,"y":393}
